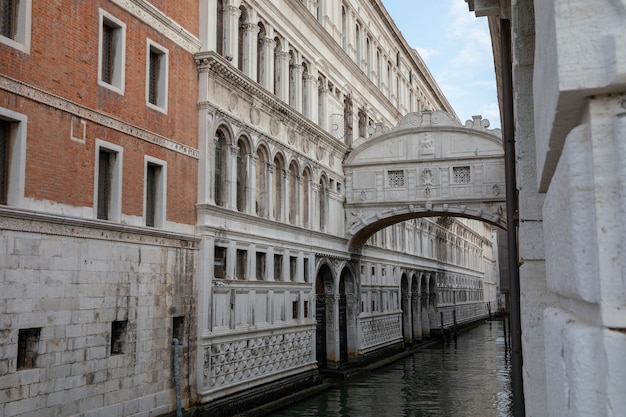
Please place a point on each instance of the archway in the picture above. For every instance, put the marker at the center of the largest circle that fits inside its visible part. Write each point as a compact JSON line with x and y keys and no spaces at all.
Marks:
{"x":323,"y":291}
{"x":347,"y":316}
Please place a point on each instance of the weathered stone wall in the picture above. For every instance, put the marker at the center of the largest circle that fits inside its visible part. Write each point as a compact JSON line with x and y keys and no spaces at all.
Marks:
{"x":72,"y":280}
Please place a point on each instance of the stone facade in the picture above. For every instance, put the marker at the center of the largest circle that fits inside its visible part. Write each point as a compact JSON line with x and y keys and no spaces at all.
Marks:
{"x":569,"y":125}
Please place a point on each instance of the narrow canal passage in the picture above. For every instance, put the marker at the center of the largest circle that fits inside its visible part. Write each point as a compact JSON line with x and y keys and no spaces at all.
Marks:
{"x":467,"y":377}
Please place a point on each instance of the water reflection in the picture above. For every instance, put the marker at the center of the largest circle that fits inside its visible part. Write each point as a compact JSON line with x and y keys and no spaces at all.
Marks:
{"x":467,"y":377}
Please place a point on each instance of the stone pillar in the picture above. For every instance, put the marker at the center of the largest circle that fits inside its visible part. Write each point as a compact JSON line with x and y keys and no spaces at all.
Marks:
{"x":314,"y":201}
{"x":251,"y":183}
{"x":295,"y":85}
{"x":250,"y":45}
{"x":298,"y":202}
{"x":231,"y":29}
{"x":283,"y":90}
{"x":332,"y":322}
{"x":208,"y":23}
{"x":284,"y":198}
{"x":269,"y":187}
{"x":267,"y":71}
{"x":231,"y":183}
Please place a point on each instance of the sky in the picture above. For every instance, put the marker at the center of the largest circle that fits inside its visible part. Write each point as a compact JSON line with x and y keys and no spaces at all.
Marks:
{"x":457,"y":50}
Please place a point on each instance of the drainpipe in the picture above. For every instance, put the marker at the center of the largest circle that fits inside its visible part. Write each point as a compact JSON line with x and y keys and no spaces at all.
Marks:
{"x":508,"y":134}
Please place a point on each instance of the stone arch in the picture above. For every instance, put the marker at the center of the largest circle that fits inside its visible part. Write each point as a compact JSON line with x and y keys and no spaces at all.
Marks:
{"x":324,"y":292}
{"x":221,"y":163}
{"x":405,"y":305}
{"x":416,"y":325}
{"x":278,"y":186}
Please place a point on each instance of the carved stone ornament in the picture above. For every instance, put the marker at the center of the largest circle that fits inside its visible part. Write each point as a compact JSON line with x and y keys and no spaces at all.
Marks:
{"x":233,"y":102}
{"x":331,"y":160}
{"x":319,"y":153}
{"x":255,"y":116}
{"x":427,"y":192}
{"x":274,"y":126}
{"x":495,"y":189}
{"x":363,"y":196}
{"x":427,"y":177}
{"x":291,"y":137}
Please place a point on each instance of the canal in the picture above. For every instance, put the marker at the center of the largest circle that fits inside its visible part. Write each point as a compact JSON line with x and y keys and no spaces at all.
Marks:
{"x":467,"y":377}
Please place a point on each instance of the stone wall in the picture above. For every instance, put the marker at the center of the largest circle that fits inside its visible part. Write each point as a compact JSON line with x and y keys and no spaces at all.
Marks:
{"x":88,"y":317}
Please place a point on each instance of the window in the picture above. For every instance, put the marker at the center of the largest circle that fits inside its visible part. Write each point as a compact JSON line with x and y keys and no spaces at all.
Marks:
{"x":111,"y":52}
{"x":242,"y":263}
{"x":155,"y":192}
{"x":219,"y":262}
{"x":278,"y":267}
{"x":15,"y":24}
{"x":306,"y":309}
{"x":461,"y":175}
{"x":5,"y":134}
{"x":118,"y":337}
{"x":306,"y":270}
{"x":293,"y":268}
{"x":220,"y":168}
{"x":395,"y":178}
{"x":156,"y":77}
{"x":294,"y":310}
{"x":108,"y":181}
{"x":178,"y":329}
{"x":260,"y":266}
{"x":27,"y":348}
{"x":12,"y":156}
{"x":242,"y":175}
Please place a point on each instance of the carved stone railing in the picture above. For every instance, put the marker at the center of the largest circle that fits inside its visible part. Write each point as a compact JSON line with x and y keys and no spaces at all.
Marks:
{"x":379,"y":330}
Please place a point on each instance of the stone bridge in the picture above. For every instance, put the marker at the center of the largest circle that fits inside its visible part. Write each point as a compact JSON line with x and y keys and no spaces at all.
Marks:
{"x":428,"y":165}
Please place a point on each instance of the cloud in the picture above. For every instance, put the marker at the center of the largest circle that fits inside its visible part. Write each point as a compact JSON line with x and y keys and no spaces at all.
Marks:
{"x":427,"y":54}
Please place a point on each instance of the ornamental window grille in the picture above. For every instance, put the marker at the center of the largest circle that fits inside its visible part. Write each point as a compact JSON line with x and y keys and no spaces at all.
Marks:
{"x":395,"y":178}
{"x":461,"y":175}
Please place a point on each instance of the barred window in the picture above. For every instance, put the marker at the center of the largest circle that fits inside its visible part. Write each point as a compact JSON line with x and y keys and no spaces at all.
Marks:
{"x":461,"y":175}
{"x":395,"y":178}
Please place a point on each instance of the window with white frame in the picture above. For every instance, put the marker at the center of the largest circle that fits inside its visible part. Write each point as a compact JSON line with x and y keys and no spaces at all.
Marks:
{"x":12,"y":157}
{"x":15,"y":23}
{"x":156,"y":77}
{"x":111,"y":52}
{"x":108,"y":181}
{"x":155,"y":186}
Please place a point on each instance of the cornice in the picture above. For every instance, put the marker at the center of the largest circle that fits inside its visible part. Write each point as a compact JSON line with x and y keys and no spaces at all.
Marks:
{"x":40,"y":96}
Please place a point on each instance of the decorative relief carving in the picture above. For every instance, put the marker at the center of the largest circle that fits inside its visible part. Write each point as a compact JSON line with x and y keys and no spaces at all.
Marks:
{"x":379,"y":330}
{"x":274,"y":126}
{"x":427,"y":177}
{"x":319,"y":153}
{"x":495,"y":189}
{"x":59,"y":103}
{"x":255,"y":116}
{"x":233,"y":102}
{"x":232,"y":362}
{"x":291,"y":137}
{"x":331,"y":160}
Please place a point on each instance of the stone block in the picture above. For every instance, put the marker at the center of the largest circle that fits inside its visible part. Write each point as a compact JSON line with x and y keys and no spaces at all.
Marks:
{"x":28,"y":246}
{"x":114,"y":410}
{"x":16,"y":408}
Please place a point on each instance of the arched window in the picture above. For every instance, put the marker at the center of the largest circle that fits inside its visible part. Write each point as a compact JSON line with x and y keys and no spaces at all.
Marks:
{"x":241,"y":39}
{"x":379,"y":68}
{"x":344,"y":29}
{"x":322,"y":204}
{"x":219,"y":36}
{"x":293,"y":193}
{"x":389,"y":79}
{"x":279,"y":168}
{"x":321,"y":104}
{"x":357,"y":45}
{"x":306,"y":177}
{"x":242,"y":174}
{"x":261,"y":182}
{"x":368,"y":53}
{"x":220,"y":172}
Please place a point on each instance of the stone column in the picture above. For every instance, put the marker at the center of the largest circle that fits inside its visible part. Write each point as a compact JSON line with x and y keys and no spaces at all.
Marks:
{"x":269,"y":187}
{"x":267,"y":70}
{"x":284,"y":198}
{"x":231,"y":182}
{"x":250,"y":45}
{"x":231,"y":29}
{"x":295,"y":79}
{"x":251,"y":183}
{"x":332,"y":344}
{"x":298,"y":202}
{"x":283,"y":89}
{"x":208,"y":23}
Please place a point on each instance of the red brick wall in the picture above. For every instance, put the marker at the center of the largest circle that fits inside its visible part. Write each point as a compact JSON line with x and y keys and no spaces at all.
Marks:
{"x":63,"y":61}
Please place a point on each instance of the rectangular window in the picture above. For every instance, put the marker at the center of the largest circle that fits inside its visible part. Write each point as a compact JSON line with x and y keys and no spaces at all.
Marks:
{"x":156,"y":76}
{"x":219,"y":264}
{"x":15,"y":24}
{"x":111,"y":53}
{"x":306,"y":309}
{"x":306,"y":269}
{"x":154,"y":192}
{"x":5,"y":132}
{"x":294,"y":310}
{"x":27,"y":348}
{"x":461,"y":175}
{"x":118,"y":337}
{"x":260,"y":266}
{"x":108,"y":189}
{"x":242,"y":263}
{"x":293,"y":268}
{"x":278,"y":267}
{"x":395,"y":178}
{"x":178,"y":329}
